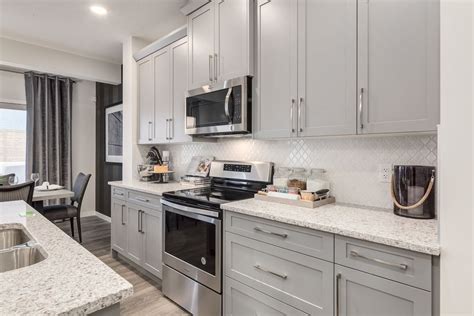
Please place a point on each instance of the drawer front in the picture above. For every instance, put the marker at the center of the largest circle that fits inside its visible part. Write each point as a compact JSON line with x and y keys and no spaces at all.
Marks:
{"x":306,"y":241}
{"x":241,"y":300}
{"x":146,"y":200}
{"x":298,"y":280}
{"x":119,"y":193}
{"x":401,"y":265}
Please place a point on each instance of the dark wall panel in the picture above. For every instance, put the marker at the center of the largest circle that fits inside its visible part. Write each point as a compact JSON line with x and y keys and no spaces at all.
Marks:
{"x":106,"y":95}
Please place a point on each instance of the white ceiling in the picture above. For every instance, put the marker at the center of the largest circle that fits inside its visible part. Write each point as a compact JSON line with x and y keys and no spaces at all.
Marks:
{"x":69,"y":25}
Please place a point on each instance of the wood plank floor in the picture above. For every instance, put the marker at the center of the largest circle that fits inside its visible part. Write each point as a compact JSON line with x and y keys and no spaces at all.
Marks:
{"x":147,"y":298}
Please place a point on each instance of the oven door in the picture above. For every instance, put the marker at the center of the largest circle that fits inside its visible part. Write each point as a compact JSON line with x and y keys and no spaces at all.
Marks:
{"x":218,"y":109}
{"x":192,"y":243}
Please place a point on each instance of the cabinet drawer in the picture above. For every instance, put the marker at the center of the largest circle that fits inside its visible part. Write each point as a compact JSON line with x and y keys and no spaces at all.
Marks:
{"x":147,"y":200}
{"x":119,"y":193}
{"x":241,"y":300}
{"x":310,"y":242}
{"x":298,"y":280}
{"x":401,"y":265}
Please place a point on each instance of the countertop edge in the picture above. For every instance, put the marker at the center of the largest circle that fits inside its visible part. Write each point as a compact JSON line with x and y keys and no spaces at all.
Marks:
{"x":102,"y":303}
{"x":429,"y":250}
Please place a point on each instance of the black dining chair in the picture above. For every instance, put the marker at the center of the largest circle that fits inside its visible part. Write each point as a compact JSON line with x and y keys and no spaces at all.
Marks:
{"x":22,"y":191}
{"x":73,"y":210}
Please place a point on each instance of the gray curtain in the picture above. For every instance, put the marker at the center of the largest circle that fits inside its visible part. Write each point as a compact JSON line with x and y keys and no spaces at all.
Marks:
{"x":48,"y":122}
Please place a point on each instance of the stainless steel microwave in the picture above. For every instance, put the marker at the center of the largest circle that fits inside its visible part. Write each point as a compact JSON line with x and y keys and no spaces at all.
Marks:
{"x":220,"y":109}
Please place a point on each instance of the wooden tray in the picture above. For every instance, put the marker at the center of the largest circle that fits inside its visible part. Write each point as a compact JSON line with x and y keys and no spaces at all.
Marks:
{"x":301,"y":203}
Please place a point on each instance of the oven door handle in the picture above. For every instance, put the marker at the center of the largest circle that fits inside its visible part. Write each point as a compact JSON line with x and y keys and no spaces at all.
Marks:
{"x":190,"y":211}
{"x":226,"y":105}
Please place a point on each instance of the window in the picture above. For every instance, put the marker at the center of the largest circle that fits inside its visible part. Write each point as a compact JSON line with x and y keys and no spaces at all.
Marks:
{"x":13,"y":140}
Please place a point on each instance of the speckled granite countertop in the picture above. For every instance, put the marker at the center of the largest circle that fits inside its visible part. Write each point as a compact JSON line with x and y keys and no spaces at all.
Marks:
{"x":377,"y":226}
{"x":69,"y":281}
{"x":151,"y":188}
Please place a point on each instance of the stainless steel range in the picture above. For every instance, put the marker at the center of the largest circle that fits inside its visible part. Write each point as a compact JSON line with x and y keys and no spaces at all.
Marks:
{"x":192,"y":233}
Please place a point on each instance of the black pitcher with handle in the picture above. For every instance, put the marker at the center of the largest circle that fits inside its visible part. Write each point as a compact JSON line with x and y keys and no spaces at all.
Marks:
{"x":413,"y":191}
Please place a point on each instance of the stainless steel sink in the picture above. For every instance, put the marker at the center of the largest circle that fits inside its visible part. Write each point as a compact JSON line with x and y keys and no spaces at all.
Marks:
{"x":12,"y":237}
{"x":19,"y":257}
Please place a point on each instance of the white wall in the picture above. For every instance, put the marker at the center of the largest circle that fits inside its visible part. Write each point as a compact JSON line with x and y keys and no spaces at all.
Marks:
{"x":12,"y":88}
{"x":456,"y":158}
{"x":32,"y":57}
{"x":83,"y":139}
{"x":131,"y":151}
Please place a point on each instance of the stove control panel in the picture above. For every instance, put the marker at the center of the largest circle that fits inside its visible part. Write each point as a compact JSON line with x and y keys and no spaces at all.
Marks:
{"x":237,"y":168}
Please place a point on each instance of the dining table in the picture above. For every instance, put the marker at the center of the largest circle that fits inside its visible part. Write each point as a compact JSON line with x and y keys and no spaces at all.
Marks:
{"x":40,"y":196}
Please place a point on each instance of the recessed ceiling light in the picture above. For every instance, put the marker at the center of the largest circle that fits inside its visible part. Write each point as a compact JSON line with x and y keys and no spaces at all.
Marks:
{"x":97,"y":9}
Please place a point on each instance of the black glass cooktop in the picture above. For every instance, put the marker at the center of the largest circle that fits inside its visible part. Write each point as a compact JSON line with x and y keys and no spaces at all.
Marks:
{"x":208,"y":197}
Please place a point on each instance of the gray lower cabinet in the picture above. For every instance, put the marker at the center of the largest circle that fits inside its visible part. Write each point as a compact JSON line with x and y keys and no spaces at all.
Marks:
{"x":136,"y":229}
{"x":360,"y":293}
{"x":242,"y":300}
{"x":119,"y":225}
{"x":273,"y":268}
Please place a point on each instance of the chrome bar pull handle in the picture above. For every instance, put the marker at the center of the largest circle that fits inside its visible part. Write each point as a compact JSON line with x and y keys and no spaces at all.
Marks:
{"x":171,"y":128}
{"x":210,"y":67}
{"x":401,"y":266}
{"x":300,"y":123}
{"x":142,"y":199}
{"x":361,"y":106}
{"x":138,"y":221}
{"x":141,"y":222}
{"x":150,"y":130}
{"x":338,"y":277}
{"x":260,"y":230}
{"x":291,"y":115}
{"x":259,"y":267}
{"x":216,"y":64}
{"x":123,"y":223}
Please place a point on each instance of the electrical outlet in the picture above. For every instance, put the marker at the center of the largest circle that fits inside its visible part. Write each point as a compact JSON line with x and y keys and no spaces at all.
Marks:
{"x":384,"y":172}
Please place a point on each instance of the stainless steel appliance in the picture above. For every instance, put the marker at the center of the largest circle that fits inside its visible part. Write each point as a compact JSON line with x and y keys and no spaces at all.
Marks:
{"x":192,"y":233}
{"x":220,"y":109}
{"x":413,"y":191}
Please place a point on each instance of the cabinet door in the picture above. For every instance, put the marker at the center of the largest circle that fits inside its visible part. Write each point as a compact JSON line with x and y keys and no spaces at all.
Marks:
{"x":360,"y":293}
{"x":151,"y":231}
{"x":233,"y":38}
{"x":134,"y":236}
{"x":179,"y":73}
{"x":327,"y":46}
{"x":276,"y":81}
{"x":145,"y":101}
{"x":398,"y":66}
{"x":201,"y":46}
{"x":241,"y":300}
{"x":162,"y":88}
{"x":119,"y":226}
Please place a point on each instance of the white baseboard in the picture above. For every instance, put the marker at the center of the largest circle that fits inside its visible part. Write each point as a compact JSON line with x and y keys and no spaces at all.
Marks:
{"x":102,"y":216}
{"x":86,"y":213}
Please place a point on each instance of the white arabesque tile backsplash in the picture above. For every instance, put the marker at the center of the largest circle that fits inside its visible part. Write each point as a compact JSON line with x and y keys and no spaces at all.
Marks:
{"x":351,"y":163}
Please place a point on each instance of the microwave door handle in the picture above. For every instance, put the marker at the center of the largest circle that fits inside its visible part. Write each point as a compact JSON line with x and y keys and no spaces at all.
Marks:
{"x":226,"y":105}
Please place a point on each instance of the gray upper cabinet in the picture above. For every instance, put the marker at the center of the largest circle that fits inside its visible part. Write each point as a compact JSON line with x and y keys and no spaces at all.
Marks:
{"x":327,"y":44}
{"x":162,"y":81}
{"x":233,"y":38}
{"x":360,"y":293}
{"x":201,"y":62}
{"x":398,"y":66}
{"x":179,"y":72}
{"x":162,"y":88}
{"x":220,"y":42}
{"x":146,"y":102}
{"x":276,"y":74}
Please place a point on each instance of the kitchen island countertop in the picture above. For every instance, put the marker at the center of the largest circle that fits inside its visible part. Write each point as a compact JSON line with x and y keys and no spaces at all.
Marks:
{"x":70,"y":280}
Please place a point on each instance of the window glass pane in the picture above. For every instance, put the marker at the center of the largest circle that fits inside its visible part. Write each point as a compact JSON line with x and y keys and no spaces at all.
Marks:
{"x":13,"y":142}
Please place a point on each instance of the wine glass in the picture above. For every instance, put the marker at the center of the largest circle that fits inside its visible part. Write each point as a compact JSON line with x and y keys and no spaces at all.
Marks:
{"x":35,"y":177}
{"x":12,"y":180}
